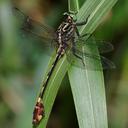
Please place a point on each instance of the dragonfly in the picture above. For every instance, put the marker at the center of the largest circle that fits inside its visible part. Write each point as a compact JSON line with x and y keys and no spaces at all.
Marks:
{"x":64,"y":37}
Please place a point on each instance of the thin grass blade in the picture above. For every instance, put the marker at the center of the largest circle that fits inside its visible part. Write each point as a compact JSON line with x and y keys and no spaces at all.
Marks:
{"x":73,"y":5}
{"x":53,"y":86}
{"x":88,"y":85}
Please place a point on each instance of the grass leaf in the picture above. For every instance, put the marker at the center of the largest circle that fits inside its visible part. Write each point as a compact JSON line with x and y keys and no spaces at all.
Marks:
{"x":53,"y":86}
{"x":73,"y":5}
{"x":88,"y":85}
{"x":90,"y":82}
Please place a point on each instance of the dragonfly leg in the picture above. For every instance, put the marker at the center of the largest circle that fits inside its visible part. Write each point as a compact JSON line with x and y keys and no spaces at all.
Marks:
{"x":74,"y":51}
{"x":84,"y":22}
{"x":77,"y":32}
{"x":84,"y":35}
{"x":79,"y":57}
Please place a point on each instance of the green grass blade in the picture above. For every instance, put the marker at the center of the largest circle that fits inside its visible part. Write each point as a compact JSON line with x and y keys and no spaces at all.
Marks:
{"x":53,"y":86}
{"x":88,"y":85}
{"x":60,"y":71}
{"x":73,"y":5}
{"x":97,"y":9}
{"x":56,"y":78}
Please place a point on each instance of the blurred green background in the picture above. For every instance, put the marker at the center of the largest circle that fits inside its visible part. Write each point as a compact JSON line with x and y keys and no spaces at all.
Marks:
{"x":23,"y":63}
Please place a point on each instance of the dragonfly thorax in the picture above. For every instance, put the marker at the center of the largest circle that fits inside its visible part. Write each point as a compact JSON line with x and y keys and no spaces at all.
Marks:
{"x":66,"y":30}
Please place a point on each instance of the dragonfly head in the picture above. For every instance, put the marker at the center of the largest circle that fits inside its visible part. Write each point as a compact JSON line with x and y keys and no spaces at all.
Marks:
{"x":70,"y":17}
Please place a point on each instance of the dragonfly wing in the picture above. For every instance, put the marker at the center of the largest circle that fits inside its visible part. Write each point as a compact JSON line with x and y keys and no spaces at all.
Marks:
{"x":34,"y":31}
{"x":97,"y":62}
{"x":87,"y":60}
{"x":103,"y":46}
{"x":34,"y":27}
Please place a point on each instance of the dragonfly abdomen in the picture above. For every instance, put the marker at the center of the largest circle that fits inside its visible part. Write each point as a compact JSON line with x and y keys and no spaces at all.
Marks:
{"x":39,"y":112}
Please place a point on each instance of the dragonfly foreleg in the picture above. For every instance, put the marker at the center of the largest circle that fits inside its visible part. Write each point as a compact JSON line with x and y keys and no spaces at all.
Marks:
{"x":74,"y":51}
{"x":78,"y":56}
{"x":77,"y":32}
{"x":84,"y":22}
{"x":86,"y":35}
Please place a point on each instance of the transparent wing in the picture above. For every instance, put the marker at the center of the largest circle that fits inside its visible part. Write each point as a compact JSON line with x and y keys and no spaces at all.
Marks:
{"x":103,"y":46}
{"x":35,"y":31}
{"x":87,"y":57}
{"x":36,"y":28}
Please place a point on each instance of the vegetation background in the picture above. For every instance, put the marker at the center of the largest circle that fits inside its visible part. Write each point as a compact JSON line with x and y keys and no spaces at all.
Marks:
{"x":22,"y":63}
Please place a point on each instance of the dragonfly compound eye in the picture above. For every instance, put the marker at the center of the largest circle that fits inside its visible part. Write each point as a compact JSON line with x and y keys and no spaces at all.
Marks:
{"x":70,"y":19}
